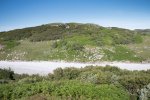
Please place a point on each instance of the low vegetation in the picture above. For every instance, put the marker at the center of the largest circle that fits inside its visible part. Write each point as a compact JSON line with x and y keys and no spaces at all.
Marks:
{"x":72,"y":42}
{"x":105,"y":83}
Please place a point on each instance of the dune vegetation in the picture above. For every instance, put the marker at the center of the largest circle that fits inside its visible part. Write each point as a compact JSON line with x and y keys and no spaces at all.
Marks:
{"x":74,"y":42}
{"x":105,"y":83}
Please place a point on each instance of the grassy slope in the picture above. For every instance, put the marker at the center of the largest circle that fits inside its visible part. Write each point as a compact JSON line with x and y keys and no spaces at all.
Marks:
{"x":79,"y":42}
{"x":44,"y":51}
{"x":29,"y":51}
{"x":142,"y":49}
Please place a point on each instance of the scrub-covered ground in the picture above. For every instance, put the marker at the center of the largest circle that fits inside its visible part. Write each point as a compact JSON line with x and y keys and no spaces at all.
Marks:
{"x":92,"y":83}
{"x":75,"y":42}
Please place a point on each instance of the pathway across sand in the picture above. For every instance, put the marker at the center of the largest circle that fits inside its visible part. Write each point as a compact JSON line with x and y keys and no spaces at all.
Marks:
{"x":45,"y":67}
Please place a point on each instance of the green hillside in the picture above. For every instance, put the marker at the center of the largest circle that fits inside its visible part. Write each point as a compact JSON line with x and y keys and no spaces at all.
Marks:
{"x":73,"y":42}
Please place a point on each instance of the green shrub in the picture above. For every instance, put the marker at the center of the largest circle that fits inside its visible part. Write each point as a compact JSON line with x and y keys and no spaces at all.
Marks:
{"x":70,"y":73}
{"x":137,"y":38}
{"x":29,"y":80}
{"x":10,"y":44}
{"x":6,"y":74}
{"x":144,"y":93}
{"x":72,"y":89}
{"x":96,"y":76}
{"x":134,"y":82}
{"x":58,"y":73}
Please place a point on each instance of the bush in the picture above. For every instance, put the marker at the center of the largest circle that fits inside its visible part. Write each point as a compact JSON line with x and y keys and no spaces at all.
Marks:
{"x":144,"y":93}
{"x":70,"y":73}
{"x":72,"y":89}
{"x":134,"y":82}
{"x":10,"y":44}
{"x":29,"y":80}
{"x":96,"y":77}
{"x":137,"y":38}
{"x":58,"y":73}
{"x":6,"y":74}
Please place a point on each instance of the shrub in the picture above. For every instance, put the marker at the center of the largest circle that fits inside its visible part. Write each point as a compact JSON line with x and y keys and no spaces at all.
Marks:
{"x":6,"y":74}
{"x":70,"y":73}
{"x":96,"y":77}
{"x":69,"y":89}
{"x":29,"y":80}
{"x":58,"y":73}
{"x":144,"y":93}
{"x":134,"y":82}
{"x":137,"y":38}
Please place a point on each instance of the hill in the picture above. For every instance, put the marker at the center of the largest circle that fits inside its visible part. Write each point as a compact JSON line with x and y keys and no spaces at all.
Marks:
{"x":74,"y":42}
{"x":143,"y":31}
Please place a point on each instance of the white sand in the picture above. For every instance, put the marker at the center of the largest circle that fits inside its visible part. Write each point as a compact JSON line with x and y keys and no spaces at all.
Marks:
{"x":45,"y":67}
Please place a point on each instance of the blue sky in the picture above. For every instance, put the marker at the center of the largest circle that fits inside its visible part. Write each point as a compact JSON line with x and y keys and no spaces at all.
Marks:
{"x":131,"y":14}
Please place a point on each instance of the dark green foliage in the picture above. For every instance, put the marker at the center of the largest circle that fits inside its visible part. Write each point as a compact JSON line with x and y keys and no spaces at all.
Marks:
{"x":58,"y":73}
{"x":101,"y":35}
{"x":71,"y":73}
{"x":72,"y":89}
{"x":137,"y":81}
{"x":84,"y":83}
{"x":66,"y":73}
{"x":131,"y":80}
{"x":6,"y":74}
{"x":16,"y":34}
{"x":10,"y":44}
{"x":137,"y":38}
{"x":20,"y":76}
{"x":50,"y":34}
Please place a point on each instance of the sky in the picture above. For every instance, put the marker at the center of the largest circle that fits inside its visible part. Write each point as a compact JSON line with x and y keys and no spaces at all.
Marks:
{"x":130,"y":14}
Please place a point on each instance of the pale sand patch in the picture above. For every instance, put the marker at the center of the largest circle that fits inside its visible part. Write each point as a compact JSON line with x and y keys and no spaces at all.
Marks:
{"x":45,"y":67}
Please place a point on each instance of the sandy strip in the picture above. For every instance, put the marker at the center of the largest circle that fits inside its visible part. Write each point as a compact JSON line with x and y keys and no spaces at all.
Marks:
{"x":45,"y":67}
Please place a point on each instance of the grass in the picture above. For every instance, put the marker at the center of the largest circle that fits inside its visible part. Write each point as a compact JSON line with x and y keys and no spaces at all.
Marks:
{"x":44,"y":51}
{"x":76,"y":48}
{"x":120,"y":53}
{"x":142,"y":49}
{"x":29,"y":51}
{"x":77,"y":42}
{"x":81,"y":39}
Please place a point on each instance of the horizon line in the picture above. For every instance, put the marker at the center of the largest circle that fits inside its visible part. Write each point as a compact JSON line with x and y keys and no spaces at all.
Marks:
{"x":106,"y":26}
